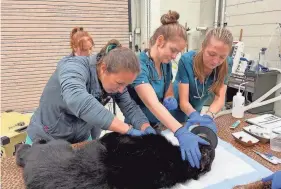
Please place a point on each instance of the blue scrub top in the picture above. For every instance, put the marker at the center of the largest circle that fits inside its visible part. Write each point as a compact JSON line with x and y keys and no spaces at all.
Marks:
{"x":149,"y":75}
{"x":186,"y":75}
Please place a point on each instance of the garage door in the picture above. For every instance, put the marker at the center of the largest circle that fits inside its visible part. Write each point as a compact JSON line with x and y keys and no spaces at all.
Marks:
{"x":35,"y":36}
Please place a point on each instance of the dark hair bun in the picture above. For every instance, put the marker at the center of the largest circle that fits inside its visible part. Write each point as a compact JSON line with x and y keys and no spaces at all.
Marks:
{"x":170,"y":18}
{"x":75,"y":30}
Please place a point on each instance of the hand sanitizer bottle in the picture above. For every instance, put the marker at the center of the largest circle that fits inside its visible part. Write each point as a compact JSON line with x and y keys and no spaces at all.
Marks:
{"x":238,"y":104}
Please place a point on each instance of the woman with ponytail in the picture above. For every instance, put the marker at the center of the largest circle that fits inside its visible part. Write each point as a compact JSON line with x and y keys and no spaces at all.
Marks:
{"x":153,"y":90}
{"x":201,"y":74}
{"x":72,"y":104}
{"x":81,"y":42}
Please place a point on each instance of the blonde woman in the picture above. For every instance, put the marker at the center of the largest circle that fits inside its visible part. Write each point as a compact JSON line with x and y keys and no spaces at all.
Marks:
{"x":202,"y":73}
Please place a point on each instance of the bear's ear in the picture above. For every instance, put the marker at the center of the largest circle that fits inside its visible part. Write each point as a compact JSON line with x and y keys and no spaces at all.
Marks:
{"x":22,"y":150}
{"x":207,"y":159}
{"x":196,"y":176}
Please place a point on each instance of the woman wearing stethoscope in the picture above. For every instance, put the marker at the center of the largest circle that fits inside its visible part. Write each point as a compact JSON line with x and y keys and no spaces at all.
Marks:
{"x":202,"y":74}
{"x":153,"y":91}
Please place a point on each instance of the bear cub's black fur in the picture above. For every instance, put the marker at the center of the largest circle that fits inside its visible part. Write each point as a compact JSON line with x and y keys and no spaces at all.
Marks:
{"x":114,"y":161}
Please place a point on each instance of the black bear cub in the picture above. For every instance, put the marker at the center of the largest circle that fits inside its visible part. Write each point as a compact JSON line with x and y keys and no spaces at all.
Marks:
{"x":114,"y":161}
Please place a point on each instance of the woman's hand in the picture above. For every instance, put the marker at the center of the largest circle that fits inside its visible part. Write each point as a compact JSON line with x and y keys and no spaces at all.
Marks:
{"x":189,"y":145}
{"x":149,"y":130}
{"x":135,"y":132}
{"x":196,"y":118}
{"x":205,"y":121}
{"x":170,"y":103}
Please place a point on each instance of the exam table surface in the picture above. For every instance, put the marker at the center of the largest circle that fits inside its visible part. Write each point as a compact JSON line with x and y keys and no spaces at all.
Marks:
{"x":11,"y":174}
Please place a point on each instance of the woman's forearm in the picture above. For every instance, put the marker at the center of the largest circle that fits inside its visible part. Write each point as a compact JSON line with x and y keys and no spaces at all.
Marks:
{"x":131,"y":110}
{"x":149,"y":98}
{"x":187,"y":108}
{"x":217,"y":105}
{"x":219,"y":101}
{"x":119,"y":126}
{"x":162,"y":114}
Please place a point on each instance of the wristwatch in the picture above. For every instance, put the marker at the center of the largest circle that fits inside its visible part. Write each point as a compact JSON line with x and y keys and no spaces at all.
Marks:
{"x":211,"y":114}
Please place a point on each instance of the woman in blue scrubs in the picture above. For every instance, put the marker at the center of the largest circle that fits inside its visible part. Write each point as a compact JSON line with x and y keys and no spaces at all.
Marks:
{"x":201,"y":74}
{"x":153,"y":91}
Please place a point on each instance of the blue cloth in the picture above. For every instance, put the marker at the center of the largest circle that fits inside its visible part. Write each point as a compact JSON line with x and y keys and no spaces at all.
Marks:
{"x":186,"y":75}
{"x":149,"y":75}
{"x":275,"y":178}
{"x":90,"y":138}
{"x":29,"y":141}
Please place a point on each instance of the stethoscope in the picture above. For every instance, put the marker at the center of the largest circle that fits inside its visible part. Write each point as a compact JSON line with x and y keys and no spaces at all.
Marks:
{"x":152,"y":76}
{"x":203,"y":88}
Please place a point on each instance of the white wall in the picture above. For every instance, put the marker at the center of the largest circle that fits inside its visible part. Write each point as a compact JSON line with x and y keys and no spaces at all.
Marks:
{"x":193,"y":12}
{"x":143,"y":24}
{"x":189,"y":11}
{"x":136,"y":21}
{"x":258,"y":20}
{"x":207,"y":12}
{"x":207,"y":16}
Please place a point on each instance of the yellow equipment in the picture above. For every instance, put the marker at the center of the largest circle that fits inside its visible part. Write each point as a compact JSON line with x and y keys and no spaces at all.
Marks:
{"x":13,"y":127}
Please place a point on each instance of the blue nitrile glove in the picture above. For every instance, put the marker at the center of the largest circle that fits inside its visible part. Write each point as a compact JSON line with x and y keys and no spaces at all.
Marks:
{"x":149,"y":130}
{"x":135,"y":132}
{"x":211,"y":125}
{"x":208,"y":118}
{"x":187,"y":125}
{"x":189,"y":145}
{"x":170,"y":103}
{"x":196,"y":118}
{"x":275,"y":178}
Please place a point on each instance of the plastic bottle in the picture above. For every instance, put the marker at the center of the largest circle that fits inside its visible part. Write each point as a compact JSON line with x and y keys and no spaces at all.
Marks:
{"x":275,"y":141}
{"x":262,"y":60}
{"x":238,"y":104}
